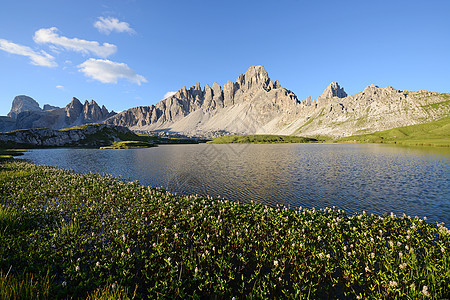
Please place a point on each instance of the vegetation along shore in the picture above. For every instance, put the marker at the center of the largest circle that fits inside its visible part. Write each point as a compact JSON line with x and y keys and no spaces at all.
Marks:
{"x":64,"y":234}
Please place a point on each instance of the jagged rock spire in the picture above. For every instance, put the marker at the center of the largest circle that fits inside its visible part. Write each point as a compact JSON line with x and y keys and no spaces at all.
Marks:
{"x":333,"y":90}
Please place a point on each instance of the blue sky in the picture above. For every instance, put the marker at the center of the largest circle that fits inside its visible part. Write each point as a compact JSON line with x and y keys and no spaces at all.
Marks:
{"x":125,"y":53}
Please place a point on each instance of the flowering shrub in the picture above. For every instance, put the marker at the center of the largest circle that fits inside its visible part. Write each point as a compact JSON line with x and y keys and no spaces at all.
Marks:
{"x":90,"y":231}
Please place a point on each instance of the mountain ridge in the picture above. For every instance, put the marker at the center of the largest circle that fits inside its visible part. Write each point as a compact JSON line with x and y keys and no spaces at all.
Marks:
{"x":254,"y":104}
{"x":26,"y":114}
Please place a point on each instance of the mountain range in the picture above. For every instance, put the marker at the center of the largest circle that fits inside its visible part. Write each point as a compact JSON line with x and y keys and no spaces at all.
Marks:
{"x":26,"y":113}
{"x":253,"y":104}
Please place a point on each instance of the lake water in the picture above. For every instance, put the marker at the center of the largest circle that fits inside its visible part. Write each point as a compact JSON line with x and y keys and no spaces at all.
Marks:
{"x":353,"y":177}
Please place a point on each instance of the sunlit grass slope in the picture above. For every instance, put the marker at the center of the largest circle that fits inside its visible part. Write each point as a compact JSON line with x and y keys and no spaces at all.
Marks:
{"x":435,"y":133}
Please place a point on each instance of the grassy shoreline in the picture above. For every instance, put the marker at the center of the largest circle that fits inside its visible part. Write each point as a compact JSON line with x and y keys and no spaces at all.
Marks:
{"x":82,"y":235}
{"x":260,"y":139}
{"x":129,"y":145}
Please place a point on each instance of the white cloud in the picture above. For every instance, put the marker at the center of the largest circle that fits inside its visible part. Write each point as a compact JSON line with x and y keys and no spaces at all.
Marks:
{"x":107,"y":71}
{"x":60,"y":87}
{"x":109,"y":24}
{"x":50,"y":36}
{"x":41,"y":58}
{"x":168,"y":94}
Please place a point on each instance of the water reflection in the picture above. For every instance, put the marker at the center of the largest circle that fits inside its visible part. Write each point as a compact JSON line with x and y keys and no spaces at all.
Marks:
{"x":374,"y":178}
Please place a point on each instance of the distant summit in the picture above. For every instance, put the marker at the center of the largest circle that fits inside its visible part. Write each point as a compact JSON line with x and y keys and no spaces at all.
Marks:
{"x":26,"y":113}
{"x":23,"y":103}
{"x":333,"y":90}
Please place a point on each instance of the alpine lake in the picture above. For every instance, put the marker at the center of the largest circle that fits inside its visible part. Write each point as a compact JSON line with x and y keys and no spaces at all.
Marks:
{"x":374,"y":178}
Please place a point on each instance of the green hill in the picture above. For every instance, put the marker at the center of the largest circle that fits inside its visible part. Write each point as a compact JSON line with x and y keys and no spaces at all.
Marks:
{"x":435,"y":133}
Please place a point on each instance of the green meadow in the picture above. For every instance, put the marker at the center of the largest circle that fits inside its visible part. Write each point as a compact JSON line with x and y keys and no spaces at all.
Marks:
{"x":435,"y":133}
{"x":68,"y":235}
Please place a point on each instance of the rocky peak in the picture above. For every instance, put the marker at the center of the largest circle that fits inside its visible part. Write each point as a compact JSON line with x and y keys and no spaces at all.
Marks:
{"x":371,"y":88}
{"x":277,"y":85}
{"x":49,"y":107}
{"x":256,"y":76}
{"x":75,"y":103}
{"x":196,"y":92}
{"x":23,"y":103}
{"x":73,"y":110}
{"x":104,"y":110}
{"x":333,"y":90}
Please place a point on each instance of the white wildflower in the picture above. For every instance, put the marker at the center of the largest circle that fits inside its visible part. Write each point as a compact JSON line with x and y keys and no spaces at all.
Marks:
{"x":425,"y":291}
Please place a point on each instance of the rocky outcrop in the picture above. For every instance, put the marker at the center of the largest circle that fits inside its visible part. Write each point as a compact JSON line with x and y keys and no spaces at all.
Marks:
{"x":94,"y":135}
{"x":27,"y":114}
{"x":23,"y":103}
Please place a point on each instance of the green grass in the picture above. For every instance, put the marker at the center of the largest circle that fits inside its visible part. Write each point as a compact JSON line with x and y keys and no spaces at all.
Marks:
{"x":168,"y":140}
{"x":10,"y":153}
{"x":260,"y":139}
{"x":24,"y":286}
{"x":129,"y":145}
{"x":435,"y":133}
{"x":100,"y":237}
